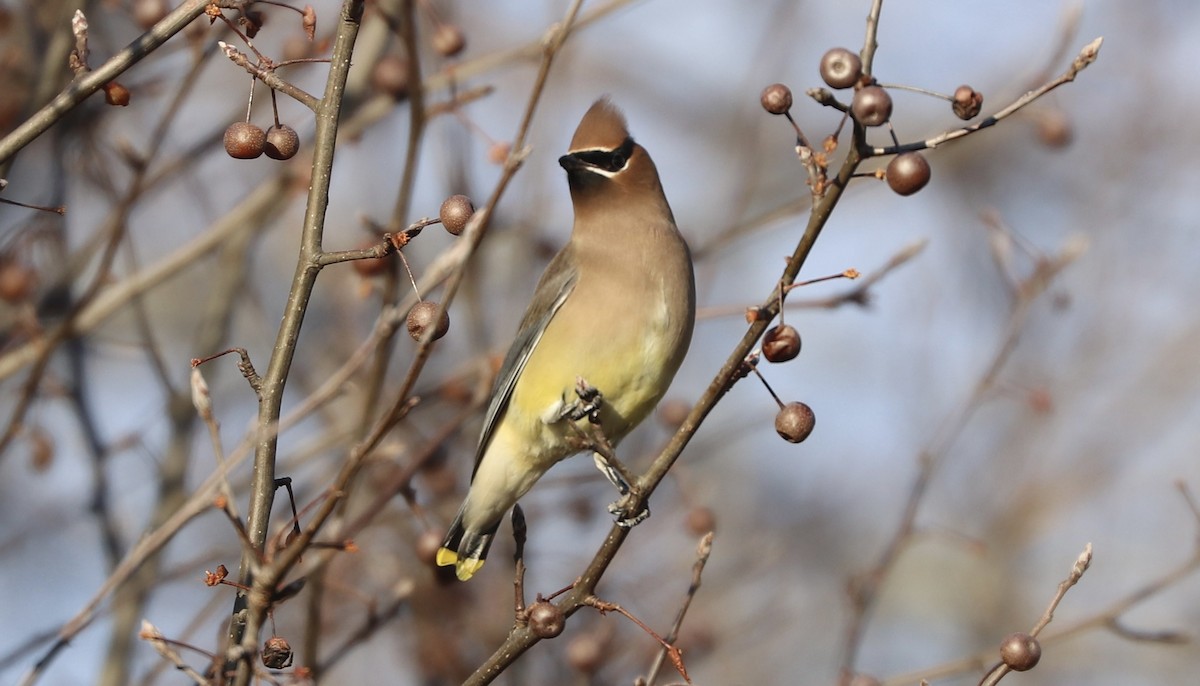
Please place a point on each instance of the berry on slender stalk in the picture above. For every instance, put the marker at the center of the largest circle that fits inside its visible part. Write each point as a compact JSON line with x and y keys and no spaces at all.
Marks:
{"x":421,"y":317}
{"x":795,"y":422}
{"x":907,"y":173}
{"x":781,"y":343}
{"x":871,"y":106}
{"x":455,"y":212}
{"x":776,"y":98}
{"x":244,"y":141}
{"x":840,"y":68}
{"x":966,"y":103}
{"x":282,"y":142}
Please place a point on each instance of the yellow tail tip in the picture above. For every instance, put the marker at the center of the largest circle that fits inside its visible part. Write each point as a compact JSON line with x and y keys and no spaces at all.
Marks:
{"x":446,"y":557}
{"x":463,"y":569}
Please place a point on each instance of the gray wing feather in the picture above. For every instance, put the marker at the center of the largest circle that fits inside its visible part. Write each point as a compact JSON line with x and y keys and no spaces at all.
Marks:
{"x":552,"y":290}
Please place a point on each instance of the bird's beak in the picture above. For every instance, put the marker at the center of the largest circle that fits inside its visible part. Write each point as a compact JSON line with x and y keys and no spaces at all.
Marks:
{"x":572,"y":163}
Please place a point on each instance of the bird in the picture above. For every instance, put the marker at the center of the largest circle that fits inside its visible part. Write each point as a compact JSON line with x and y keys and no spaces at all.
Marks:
{"x":606,"y":331}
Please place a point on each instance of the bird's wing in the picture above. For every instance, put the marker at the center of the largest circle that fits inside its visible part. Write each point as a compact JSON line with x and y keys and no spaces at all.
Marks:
{"x":552,"y":290}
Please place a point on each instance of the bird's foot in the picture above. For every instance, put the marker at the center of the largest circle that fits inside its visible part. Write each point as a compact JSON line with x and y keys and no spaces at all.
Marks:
{"x":588,"y":405}
{"x":623,"y":511}
{"x":623,"y":508}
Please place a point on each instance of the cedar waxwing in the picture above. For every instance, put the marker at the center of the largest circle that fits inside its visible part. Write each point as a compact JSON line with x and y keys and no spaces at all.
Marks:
{"x":610,"y":322}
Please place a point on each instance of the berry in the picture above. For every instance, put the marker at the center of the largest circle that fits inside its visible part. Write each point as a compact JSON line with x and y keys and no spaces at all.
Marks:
{"x":276,"y":653}
{"x":17,"y":280}
{"x":282,"y":142}
{"x":776,"y":98}
{"x":1054,"y":129}
{"x":116,"y":94}
{"x":673,"y":412}
{"x":295,"y":47}
{"x":795,"y":422}
{"x":872,"y":106}
{"x":147,"y":13}
{"x":455,"y":212}
{"x":967,"y":102}
{"x":1020,"y":651}
{"x":907,"y":173}
{"x":420,"y":318}
{"x":390,"y":75}
{"x":586,"y":653}
{"x":781,"y":343}
{"x":427,"y":546}
{"x":498,"y":152}
{"x":700,"y":520}
{"x":449,"y":40}
{"x":244,"y":141}
{"x":546,"y":620}
{"x":840,"y":68}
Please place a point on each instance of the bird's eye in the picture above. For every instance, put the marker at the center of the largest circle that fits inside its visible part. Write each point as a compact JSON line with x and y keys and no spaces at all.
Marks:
{"x":617,"y":161}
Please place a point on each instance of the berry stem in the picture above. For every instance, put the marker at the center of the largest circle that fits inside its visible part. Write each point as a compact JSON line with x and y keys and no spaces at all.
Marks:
{"x":763,"y":379}
{"x":250,"y":100}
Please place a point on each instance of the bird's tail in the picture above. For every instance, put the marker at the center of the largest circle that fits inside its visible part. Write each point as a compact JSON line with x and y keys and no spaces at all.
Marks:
{"x":465,"y":548}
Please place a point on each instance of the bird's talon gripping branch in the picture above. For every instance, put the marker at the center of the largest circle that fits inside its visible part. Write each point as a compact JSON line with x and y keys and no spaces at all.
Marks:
{"x":622,"y":511}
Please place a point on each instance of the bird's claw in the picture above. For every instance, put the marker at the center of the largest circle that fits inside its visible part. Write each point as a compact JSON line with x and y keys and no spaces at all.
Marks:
{"x":588,"y":405}
{"x":621,"y":510}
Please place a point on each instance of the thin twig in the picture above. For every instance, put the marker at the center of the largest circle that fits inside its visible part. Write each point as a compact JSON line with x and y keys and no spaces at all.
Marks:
{"x":1086,"y":57}
{"x":162,"y":646}
{"x":703,"y":550}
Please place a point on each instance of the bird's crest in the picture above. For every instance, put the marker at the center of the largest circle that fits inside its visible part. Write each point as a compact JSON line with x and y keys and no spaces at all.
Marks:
{"x":602,"y":128}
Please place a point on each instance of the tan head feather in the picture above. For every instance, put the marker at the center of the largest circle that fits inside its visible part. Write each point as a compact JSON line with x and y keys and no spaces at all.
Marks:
{"x":602,"y":128}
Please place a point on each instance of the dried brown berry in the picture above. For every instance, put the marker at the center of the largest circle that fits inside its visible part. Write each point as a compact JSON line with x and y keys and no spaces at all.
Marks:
{"x":449,"y":40}
{"x":840,"y":68}
{"x":1020,"y":651}
{"x":700,"y":520}
{"x":147,"y":13}
{"x":282,"y":142}
{"x":871,"y":106}
{"x":244,"y":141}
{"x":672,"y":412}
{"x":1054,"y":129}
{"x":586,"y":652}
{"x":427,"y":546}
{"x":390,"y":75}
{"x":296,"y":48}
{"x":907,"y":173}
{"x":781,"y":343}
{"x":546,"y":620}
{"x":967,"y":102}
{"x":17,"y":280}
{"x":776,"y":98}
{"x":252,"y":22}
{"x":115,"y":94}
{"x":420,"y":318}
{"x":795,"y":422}
{"x":276,"y":653}
{"x":455,"y":212}
{"x":498,"y":152}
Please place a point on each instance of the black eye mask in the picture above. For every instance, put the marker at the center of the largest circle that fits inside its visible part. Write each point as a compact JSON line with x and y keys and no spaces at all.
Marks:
{"x":608,"y":160}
